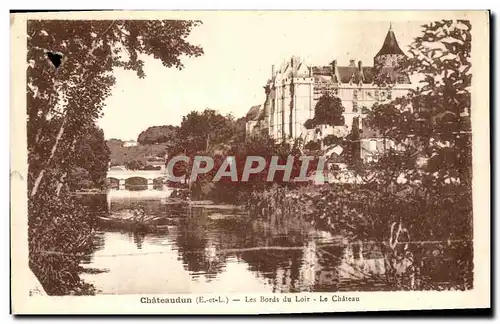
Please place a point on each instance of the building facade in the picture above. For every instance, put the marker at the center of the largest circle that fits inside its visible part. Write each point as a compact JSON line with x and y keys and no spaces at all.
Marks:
{"x":130,"y":143}
{"x":294,"y":88}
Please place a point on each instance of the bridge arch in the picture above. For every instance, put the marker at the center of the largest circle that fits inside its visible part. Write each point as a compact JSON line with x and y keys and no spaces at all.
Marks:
{"x":113,"y":183}
{"x":137,"y":179}
{"x":158,"y":183}
{"x":136,"y":183}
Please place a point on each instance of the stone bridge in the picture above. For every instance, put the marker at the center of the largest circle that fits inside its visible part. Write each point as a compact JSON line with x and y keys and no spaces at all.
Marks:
{"x":122,"y":175}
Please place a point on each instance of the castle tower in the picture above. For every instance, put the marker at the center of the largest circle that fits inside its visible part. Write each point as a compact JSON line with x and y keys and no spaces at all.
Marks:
{"x":390,"y":54}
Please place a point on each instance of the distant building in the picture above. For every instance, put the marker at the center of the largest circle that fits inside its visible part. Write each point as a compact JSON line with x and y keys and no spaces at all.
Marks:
{"x":129,"y":143}
{"x":293,"y":90}
{"x":372,"y":144}
{"x":252,"y":118}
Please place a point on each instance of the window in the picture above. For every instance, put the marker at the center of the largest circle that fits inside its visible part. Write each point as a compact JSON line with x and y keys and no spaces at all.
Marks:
{"x":355,"y":94}
{"x":354,"y":106}
{"x":373,"y":145}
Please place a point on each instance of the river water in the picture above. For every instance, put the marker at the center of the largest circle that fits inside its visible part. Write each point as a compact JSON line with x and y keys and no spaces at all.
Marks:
{"x":205,"y":250}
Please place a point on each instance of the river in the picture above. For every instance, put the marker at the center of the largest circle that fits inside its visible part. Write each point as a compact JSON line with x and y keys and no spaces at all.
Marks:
{"x":215,"y":251}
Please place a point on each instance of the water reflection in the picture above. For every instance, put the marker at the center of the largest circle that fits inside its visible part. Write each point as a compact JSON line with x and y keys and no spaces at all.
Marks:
{"x":199,"y":241}
{"x":139,"y":238}
{"x":208,"y":250}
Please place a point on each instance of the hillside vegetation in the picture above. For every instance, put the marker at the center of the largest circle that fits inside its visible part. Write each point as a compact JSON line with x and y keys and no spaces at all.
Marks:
{"x":120,"y":155}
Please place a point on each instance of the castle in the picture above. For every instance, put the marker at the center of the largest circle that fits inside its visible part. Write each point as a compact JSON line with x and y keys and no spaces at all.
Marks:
{"x":293,"y":90}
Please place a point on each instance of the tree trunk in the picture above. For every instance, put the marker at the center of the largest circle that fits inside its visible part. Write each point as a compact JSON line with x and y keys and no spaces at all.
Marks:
{"x":40,"y":176}
{"x":65,"y":173}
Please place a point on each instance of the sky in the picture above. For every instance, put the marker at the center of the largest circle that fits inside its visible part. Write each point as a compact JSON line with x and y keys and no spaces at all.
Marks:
{"x":239,"y":50}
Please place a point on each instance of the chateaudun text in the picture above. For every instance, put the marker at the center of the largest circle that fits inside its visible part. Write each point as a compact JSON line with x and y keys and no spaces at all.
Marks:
{"x":253,"y":299}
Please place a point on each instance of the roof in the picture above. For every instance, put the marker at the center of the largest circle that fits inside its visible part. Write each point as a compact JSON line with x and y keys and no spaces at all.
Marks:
{"x":253,"y":113}
{"x":390,"y":45}
{"x":295,"y":67}
{"x":354,"y":74}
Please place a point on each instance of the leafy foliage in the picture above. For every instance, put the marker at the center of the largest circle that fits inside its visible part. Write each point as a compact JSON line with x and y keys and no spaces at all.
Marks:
{"x":120,"y":155}
{"x":201,"y":130}
{"x":93,"y":155}
{"x":63,"y":102}
{"x":436,"y":116}
{"x":60,"y":231}
{"x":328,"y":111}
{"x":159,"y":134}
{"x":134,"y":165}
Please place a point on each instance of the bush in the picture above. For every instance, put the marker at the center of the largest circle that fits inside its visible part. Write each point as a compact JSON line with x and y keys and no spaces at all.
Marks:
{"x":59,"y":235}
{"x":369,"y":213}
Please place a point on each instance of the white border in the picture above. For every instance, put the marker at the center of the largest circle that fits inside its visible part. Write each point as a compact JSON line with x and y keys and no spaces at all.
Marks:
{"x":220,"y":5}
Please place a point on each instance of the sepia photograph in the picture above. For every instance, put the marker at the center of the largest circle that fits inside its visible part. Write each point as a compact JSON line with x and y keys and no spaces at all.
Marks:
{"x":236,"y":158}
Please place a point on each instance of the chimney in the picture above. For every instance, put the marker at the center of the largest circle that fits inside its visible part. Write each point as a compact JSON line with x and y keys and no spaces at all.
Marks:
{"x":360,"y":68}
{"x":334,"y":71}
{"x":334,"y":65}
{"x":352,"y":63}
{"x":272,"y":71}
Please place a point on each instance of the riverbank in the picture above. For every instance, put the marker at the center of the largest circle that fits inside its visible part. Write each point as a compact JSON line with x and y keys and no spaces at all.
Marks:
{"x":404,"y":223}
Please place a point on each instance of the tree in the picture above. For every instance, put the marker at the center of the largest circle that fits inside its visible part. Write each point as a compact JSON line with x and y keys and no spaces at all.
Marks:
{"x":432,"y":123}
{"x":159,"y":134}
{"x":442,"y":56}
{"x":134,"y":165}
{"x":328,"y":111}
{"x":93,"y":155}
{"x":200,"y":130}
{"x":74,"y":91}
{"x":70,"y":66}
{"x":239,"y":130}
{"x":436,"y":115}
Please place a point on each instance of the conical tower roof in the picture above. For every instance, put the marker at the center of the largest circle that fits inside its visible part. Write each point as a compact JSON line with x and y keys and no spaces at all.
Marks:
{"x":390,"y":44}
